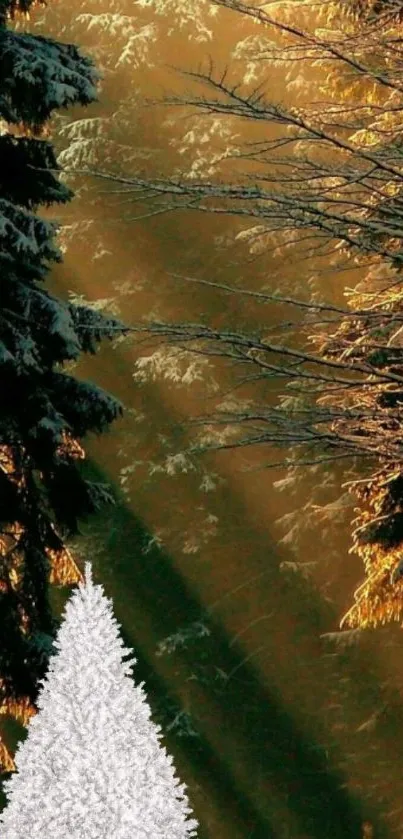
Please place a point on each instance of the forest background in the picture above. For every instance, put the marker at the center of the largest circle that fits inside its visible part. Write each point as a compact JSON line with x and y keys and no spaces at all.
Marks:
{"x":330,"y":226}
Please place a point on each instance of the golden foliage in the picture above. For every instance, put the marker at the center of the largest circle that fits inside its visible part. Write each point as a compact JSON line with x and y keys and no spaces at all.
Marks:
{"x":6,"y":460}
{"x":6,"y":761}
{"x":64,"y":570}
{"x":20,"y":710}
{"x":70,"y":447}
{"x":376,"y":601}
{"x":10,"y":467}
{"x":373,"y":338}
{"x":378,"y":526}
{"x":377,"y":539}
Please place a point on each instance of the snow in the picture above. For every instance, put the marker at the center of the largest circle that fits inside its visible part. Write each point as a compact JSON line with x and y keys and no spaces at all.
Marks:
{"x":92,"y":766}
{"x":63,"y":76}
{"x":24,"y":234}
{"x":5,"y":355}
{"x":62,"y":325}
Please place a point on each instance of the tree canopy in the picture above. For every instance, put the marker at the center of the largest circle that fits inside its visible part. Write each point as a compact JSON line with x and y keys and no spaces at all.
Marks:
{"x":46,"y":410}
{"x":326,"y":177}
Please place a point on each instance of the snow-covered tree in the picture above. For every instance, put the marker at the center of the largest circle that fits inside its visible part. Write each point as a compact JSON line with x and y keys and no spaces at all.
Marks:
{"x":92,"y":765}
{"x":44,"y":409}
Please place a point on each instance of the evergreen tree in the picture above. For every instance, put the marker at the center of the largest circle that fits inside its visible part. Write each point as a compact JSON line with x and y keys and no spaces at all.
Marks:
{"x":44,"y":408}
{"x":92,"y":764}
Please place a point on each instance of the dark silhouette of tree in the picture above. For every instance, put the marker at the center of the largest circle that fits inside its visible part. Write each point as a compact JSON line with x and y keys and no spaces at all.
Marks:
{"x":45,"y":410}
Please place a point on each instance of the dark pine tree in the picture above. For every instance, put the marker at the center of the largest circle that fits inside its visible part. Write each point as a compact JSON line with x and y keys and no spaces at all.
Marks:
{"x":44,"y":410}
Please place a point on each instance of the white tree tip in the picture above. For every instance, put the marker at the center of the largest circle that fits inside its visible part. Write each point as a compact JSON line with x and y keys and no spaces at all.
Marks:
{"x":88,"y":573}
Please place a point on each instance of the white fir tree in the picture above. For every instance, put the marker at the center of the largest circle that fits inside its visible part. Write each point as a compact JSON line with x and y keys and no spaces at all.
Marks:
{"x":92,"y":765}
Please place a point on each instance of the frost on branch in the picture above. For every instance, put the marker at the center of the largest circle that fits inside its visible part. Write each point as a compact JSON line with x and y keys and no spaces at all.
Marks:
{"x":135,"y":39}
{"x":24,"y":236}
{"x":201,"y":143}
{"x":92,"y":765}
{"x":50,"y":75}
{"x":172,"y":364}
{"x":185,"y":13}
